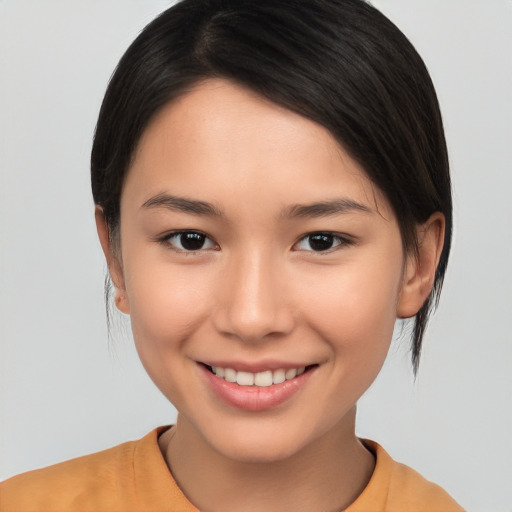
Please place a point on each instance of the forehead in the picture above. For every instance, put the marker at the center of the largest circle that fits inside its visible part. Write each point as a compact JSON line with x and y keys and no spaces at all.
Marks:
{"x":221,"y":139}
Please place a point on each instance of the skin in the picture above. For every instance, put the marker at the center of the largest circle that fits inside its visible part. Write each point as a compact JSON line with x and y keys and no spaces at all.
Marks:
{"x":257,"y":292}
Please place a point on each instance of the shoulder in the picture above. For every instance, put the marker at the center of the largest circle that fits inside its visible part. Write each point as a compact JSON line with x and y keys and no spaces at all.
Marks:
{"x":411,"y":491}
{"x":396,"y":487}
{"x":77,"y":484}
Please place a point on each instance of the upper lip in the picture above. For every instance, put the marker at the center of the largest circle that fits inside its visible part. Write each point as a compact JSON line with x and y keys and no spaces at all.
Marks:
{"x":256,"y":367}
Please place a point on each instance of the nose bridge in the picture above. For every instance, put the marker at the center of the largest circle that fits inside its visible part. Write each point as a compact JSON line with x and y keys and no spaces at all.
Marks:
{"x":253,"y":303}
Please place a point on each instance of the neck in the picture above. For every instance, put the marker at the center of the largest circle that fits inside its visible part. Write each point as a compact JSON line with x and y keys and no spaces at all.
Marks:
{"x":329,"y":474}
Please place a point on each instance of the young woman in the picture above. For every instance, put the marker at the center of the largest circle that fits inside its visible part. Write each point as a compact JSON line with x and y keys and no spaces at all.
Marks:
{"x":272,"y":192}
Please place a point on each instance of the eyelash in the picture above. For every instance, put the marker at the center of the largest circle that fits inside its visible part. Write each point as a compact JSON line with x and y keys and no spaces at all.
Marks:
{"x":175,"y":234}
{"x":342,"y":241}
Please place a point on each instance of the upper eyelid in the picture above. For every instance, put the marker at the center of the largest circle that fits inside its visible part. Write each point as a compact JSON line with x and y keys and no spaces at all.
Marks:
{"x":342,"y":236}
{"x":170,"y":234}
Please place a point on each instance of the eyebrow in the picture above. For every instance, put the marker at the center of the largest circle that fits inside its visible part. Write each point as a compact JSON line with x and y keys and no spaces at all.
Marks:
{"x":182,"y":204}
{"x":325,"y":208}
{"x":312,"y":210}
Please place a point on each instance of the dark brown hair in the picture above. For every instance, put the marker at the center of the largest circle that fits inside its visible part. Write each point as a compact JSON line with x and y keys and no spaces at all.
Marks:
{"x":340,"y":63}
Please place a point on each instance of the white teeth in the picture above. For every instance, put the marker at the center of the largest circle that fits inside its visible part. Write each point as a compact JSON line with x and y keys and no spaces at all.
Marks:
{"x":245,"y":378}
{"x":291,"y":373}
{"x":229,"y":375}
{"x":278,"y":376}
{"x":260,"y":379}
{"x":263,"y":379}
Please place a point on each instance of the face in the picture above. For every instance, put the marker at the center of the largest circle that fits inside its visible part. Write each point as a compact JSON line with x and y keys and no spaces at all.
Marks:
{"x":253,"y":249}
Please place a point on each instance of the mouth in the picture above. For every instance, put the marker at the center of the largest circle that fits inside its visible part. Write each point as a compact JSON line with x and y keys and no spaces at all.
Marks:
{"x":261,"y":390}
{"x":256,"y":391}
{"x":261,"y":379}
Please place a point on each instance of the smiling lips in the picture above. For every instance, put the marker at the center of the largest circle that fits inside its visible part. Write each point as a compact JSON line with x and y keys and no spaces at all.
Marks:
{"x":256,"y":391}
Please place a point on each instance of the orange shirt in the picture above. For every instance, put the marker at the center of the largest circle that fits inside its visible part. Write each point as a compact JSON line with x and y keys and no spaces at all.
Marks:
{"x":134,"y":477}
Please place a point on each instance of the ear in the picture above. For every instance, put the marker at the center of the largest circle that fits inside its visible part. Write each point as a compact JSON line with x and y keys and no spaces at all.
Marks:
{"x":114,"y":263}
{"x":420,"y":268}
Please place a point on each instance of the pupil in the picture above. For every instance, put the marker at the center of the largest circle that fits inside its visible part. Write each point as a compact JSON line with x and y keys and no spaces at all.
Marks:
{"x":320,"y":242}
{"x":192,"y":241}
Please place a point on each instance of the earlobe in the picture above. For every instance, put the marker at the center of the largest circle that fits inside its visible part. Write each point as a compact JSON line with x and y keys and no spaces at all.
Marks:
{"x":420,"y":268}
{"x":113,"y":261}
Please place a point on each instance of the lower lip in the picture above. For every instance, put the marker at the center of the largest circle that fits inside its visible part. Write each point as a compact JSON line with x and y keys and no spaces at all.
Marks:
{"x":255,"y":398}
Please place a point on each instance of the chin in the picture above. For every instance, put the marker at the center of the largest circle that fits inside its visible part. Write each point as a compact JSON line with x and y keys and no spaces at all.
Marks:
{"x":264,"y":441}
{"x":262,"y":451}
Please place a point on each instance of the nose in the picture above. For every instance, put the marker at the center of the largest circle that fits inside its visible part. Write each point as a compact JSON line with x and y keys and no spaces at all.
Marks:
{"x":252,"y":302}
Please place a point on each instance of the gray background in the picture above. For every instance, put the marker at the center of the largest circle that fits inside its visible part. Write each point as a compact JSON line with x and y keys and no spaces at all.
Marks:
{"x":66,"y":391}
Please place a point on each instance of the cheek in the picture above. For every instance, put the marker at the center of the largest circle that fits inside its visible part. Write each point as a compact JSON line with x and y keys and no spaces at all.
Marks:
{"x":355,"y":315}
{"x":166,"y":304}
{"x":355,"y":308}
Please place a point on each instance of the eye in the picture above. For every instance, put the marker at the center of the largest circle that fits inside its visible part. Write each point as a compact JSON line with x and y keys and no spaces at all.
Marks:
{"x":189,"y":241}
{"x":321,"y":242}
